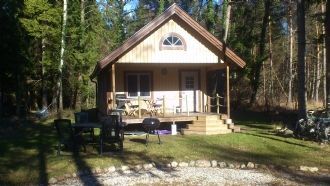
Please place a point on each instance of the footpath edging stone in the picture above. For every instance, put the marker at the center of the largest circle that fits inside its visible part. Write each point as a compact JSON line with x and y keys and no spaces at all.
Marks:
{"x":176,"y":164}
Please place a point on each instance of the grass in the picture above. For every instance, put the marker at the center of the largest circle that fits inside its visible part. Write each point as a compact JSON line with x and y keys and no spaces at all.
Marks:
{"x":28,"y":151}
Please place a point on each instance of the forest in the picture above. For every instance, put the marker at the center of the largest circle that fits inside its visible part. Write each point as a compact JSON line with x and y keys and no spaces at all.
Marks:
{"x":49,"y":48}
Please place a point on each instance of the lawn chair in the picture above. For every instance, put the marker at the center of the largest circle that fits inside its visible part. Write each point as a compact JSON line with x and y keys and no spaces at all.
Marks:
{"x":112,"y":132}
{"x":81,"y":118}
{"x":66,"y":135}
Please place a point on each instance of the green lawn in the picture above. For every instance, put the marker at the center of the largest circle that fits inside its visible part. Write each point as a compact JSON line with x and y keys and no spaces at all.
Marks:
{"x":28,"y":151}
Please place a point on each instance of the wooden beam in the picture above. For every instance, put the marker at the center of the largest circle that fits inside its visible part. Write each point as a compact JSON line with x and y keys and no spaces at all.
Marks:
{"x":113,"y":79}
{"x":228,"y":93}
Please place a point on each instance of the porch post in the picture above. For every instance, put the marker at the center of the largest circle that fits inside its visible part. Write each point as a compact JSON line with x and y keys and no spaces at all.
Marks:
{"x":228,"y":93}
{"x":113,"y":79}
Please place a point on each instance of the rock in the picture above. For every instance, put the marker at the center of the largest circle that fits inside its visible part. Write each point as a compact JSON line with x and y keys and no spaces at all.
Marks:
{"x":124,"y":168}
{"x":237,"y":166}
{"x":97,"y":170}
{"x":243,"y":166}
{"x":169,"y":165}
{"x":67,"y":176}
{"x":231,"y":166}
{"x":137,"y":168}
{"x":52,"y":180}
{"x":222,"y":164}
{"x":250,"y":165}
{"x":111,"y":169}
{"x":203,"y":163}
{"x":183,"y":164}
{"x":74,"y":175}
{"x":174,"y":164}
{"x":192,"y":163}
{"x":147,"y":166}
{"x":324,"y":170}
{"x":214,"y":163}
{"x":310,"y":169}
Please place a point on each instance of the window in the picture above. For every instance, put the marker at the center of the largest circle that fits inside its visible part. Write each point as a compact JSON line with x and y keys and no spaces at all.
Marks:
{"x":172,"y":41}
{"x":138,"y":84}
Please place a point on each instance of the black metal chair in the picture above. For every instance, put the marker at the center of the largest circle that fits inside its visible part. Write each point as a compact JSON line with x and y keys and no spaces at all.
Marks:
{"x":66,"y":135}
{"x":81,"y":118}
{"x":112,"y":132}
{"x":150,"y":125}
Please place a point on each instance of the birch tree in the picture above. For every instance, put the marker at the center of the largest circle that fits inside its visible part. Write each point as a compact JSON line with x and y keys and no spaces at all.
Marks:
{"x":60,"y":68}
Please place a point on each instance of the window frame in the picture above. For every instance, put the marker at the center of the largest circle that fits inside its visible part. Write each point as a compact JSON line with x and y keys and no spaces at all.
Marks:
{"x":138,"y":74}
{"x":172,"y":47}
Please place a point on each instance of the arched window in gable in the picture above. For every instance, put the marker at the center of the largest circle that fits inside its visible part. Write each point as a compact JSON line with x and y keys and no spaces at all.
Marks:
{"x":172,"y":41}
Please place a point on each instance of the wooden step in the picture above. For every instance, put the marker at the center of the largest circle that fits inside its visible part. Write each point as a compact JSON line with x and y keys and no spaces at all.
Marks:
{"x":212,"y":122}
{"x":189,"y":132}
{"x":190,"y":126}
{"x":209,"y":118}
{"x":236,"y":129}
{"x":223,"y":116}
{"x":230,"y":126}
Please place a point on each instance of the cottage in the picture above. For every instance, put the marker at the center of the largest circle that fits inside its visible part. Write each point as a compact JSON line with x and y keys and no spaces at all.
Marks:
{"x":168,"y":59}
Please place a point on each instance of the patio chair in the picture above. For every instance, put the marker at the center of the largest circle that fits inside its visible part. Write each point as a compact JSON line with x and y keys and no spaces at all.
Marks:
{"x":112,"y":132}
{"x":80,"y":118}
{"x":66,"y":135}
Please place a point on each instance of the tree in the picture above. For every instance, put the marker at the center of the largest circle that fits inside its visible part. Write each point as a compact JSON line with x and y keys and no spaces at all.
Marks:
{"x":301,"y":58}
{"x":327,"y":26}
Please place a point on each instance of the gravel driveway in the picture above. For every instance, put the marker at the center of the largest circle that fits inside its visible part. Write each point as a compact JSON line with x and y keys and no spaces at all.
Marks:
{"x":182,"y":176}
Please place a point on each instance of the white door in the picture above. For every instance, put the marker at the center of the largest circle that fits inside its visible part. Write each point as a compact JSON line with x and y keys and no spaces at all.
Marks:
{"x":189,"y":90}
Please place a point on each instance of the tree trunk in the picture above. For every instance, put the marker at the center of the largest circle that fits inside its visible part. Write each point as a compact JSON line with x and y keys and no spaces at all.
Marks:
{"x":327,"y":35}
{"x":227,"y":20}
{"x":324,"y":59}
{"x":43,"y":91}
{"x":271,"y":93}
{"x":291,"y":54}
{"x":301,"y":58}
{"x":259,"y":61}
{"x":318,"y":66}
{"x":59,"y":83}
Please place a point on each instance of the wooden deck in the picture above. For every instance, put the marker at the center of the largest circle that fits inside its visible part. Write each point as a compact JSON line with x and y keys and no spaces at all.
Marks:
{"x":181,"y":117}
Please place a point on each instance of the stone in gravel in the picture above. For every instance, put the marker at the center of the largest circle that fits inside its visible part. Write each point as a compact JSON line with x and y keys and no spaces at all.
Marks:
{"x":97,"y":170}
{"x":169,"y":165}
{"x":214,"y":163}
{"x":174,"y":164}
{"x":324,"y":170}
{"x":137,"y":168}
{"x":250,"y":165}
{"x":74,"y":175}
{"x":67,"y":176}
{"x":124,"y":168}
{"x":243,"y":166}
{"x":52,"y":180}
{"x":192,"y":163}
{"x":310,"y":169}
{"x":237,"y":166}
{"x":111,"y":169}
{"x":147,"y":166}
{"x":183,"y":164}
{"x":222,"y":164}
{"x":231,"y":166}
{"x":203,"y":163}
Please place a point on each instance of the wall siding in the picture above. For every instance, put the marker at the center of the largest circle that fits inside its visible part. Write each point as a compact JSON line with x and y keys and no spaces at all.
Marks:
{"x":148,"y":50}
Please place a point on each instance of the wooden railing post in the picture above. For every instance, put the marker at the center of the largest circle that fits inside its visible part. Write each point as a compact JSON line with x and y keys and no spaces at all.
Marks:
{"x":187,"y":105}
{"x":218,"y":103}
{"x":139,"y":106}
{"x":163,"y":106}
{"x":208,"y":104}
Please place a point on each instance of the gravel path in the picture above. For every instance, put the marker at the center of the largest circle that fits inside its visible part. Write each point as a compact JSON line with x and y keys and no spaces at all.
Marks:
{"x":182,"y":176}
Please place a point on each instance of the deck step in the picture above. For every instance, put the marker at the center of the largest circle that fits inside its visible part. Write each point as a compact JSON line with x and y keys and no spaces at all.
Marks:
{"x":209,"y":118}
{"x":236,"y":129}
{"x":212,"y":122}
{"x":188,"y":132}
{"x":207,"y":127}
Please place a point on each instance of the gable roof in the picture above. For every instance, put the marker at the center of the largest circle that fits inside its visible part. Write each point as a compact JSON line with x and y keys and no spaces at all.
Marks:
{"x":173,"y":11}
